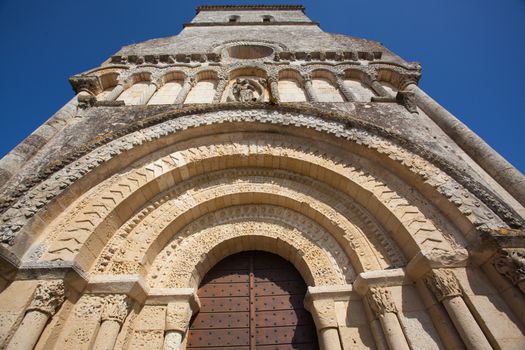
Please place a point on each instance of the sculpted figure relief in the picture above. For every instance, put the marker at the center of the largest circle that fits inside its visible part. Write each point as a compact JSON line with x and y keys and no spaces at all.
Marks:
{"x":247,"y":90}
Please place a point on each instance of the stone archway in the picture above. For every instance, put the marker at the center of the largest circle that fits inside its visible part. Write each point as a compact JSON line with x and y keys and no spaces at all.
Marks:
{"x":252,"y":300}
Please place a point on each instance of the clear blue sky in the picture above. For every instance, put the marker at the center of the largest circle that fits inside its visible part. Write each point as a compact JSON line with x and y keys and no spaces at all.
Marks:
{"x":472,"y":52}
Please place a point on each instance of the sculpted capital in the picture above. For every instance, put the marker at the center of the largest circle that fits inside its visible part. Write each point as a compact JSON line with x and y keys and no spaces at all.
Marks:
{"x":511,"y":264}
{"x":380,"y":301}
{"x":178,"y":315}
{"x":48,"y":297}
{"x":443,"y":284}
{"x":116,"y":307}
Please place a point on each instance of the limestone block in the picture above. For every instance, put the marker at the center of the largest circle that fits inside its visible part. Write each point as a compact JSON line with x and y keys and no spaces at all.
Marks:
{"x":150,"y":318}
{"x":151,"y":339}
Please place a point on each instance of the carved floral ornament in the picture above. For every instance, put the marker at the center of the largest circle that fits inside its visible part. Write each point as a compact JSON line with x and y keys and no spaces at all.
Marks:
{"x":511,"y":264}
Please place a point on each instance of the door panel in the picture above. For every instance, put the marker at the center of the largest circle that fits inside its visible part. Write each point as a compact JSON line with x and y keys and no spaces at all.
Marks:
{"x":277,"y":318}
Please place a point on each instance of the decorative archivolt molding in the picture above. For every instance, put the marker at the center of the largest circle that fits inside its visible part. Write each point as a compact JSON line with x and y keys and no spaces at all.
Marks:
{"x":191,"y":258}
{"x":161,"y":213}
{"x":38,"y":196}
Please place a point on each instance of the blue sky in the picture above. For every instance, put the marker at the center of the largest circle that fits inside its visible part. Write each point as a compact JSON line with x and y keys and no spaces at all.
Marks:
{"x":472,"y":53}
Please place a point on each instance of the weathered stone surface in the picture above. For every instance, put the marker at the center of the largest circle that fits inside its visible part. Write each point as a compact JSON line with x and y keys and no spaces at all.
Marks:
{"x":254,"y":130}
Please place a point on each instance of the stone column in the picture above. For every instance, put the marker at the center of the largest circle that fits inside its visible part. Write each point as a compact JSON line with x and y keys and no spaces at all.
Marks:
{"x":48,"y":297}
{"x":115,"y":93}
{"x":178,"y":315}
{"x":349,"y":95}
{"x":511,"y":264}
{"x":381,"y":304}
{"x":189,"y":82}
{"x":115,"y":311}
{"x":309,"y":89}
{"x":375,"y":328}
{"x":498,"y":276}
{"x":323,"y":312}
{"x":150,"y":90}
{"x":493,"y":163}
{"x":445,"y":287}
{"x":371,"y":80}
{"x":273,"y":84}
{"x":440,"y":319}
{"x":221,"y":86}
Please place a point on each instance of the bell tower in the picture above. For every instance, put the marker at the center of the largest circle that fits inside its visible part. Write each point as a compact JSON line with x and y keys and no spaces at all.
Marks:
{"x":252,"y":183}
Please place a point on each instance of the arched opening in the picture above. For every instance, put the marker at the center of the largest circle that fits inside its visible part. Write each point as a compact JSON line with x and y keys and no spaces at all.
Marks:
{"x":253,"y":299}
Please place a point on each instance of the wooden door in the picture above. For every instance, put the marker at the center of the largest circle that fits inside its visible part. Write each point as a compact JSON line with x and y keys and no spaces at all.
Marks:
{"x":252,"y":300}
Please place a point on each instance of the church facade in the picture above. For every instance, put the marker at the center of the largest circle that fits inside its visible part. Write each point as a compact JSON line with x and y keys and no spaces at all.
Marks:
{"x":257,"y":183}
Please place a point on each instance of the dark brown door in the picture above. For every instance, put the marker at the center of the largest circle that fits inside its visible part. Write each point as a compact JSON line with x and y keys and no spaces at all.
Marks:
{"x":252,"y":300}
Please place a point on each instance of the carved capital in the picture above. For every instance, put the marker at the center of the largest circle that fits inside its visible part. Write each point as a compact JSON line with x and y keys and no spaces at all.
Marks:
{"x":116,"y":307}
{"x":380,"y":301}
{"x":443,"y":284}
{"x":323,"y":312}
{"x":408,"y":100}
{"x":307,"y":77}
{"x":511,"y":264}
{"x":48,"y":297}
{"x":178,"y":315}
{"x":90,"y":84}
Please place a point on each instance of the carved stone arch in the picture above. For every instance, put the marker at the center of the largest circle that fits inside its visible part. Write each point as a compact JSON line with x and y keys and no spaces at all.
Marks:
{"x":363,"y":241}
{"x":157,"y":137}
{"x":129,"y":78}
{"x":178,"y":166}
{"x":185,"y":260}
{"x":206,"y":73}
{"x":172,"y":74}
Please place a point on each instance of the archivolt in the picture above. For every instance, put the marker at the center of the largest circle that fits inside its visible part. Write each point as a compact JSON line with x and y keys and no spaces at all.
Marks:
{"x":114,"y":202}
{"x":204,"y":242}
{"x":406,"y":216}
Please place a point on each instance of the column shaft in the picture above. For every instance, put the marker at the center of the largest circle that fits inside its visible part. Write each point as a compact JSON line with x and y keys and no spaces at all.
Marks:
{"x":220,"y":90}
{"x":375,"y":328}
{"x":309,"y":89}
{"x":274,"y":90}
{"x":29,"y":331}
{"x":393,"y":333}
{"x":465,"y":323}
{"x":493,"y":163}
{"x":115,"y":93}
{"x":172,"y":340}
{"x":440,"y":319}
{"x":378,"y":88}
{"x":329,"y":339}
{"x":512,"y":295}
{"x":349,"y":95}
{"x":184,"y":91}
{"x":107,"y":335}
